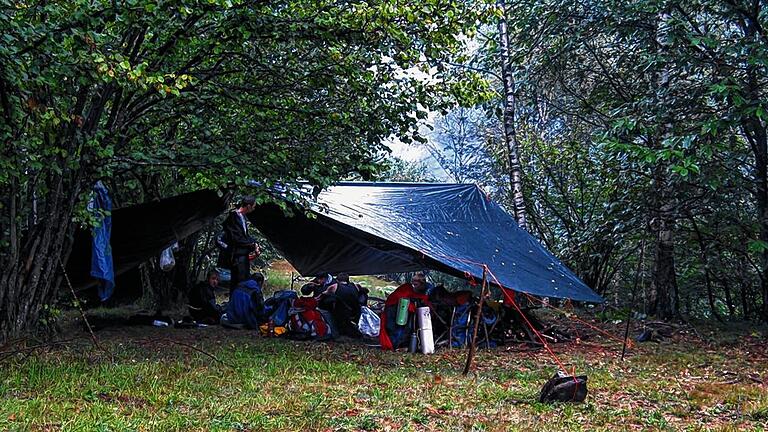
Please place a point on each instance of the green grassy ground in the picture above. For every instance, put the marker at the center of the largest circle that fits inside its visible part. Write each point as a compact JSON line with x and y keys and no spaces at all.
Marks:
{"x":155,"y":380}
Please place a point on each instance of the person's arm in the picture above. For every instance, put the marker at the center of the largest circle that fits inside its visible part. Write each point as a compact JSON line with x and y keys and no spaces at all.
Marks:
{"x":331,"y":289}
{"x":220,"y":241}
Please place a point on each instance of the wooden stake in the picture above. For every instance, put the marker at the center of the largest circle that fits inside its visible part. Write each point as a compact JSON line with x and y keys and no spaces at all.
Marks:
{"x":472,"y":345}
{"x":632,"y":302}
{"x":82,"y":313}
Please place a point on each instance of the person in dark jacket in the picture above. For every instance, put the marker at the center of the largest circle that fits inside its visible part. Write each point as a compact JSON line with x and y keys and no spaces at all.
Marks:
{"x":318,"y":286}
{"x":347,"y":305}
{"x":202,"y":300}
{"x":246,"y":304}
{"x":239,"y":245}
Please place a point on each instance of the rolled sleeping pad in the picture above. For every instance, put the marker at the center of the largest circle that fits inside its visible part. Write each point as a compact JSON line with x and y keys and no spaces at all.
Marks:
{"x":427,"y":341}
{"x":424,"y":320}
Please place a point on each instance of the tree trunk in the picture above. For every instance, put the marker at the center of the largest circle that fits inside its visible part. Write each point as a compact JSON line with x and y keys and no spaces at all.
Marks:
{"x":761,"y":180}
{"x":30,"y":273}
{"x":666,"y":303}
{"x":754,"y":129}
{"x":705,"y":267}
{"x":510,"y":134}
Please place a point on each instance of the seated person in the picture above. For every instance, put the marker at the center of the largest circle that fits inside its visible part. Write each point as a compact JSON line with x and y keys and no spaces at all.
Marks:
{"x":392,"y":335}
{"x":317,"y":286}
{"x":246,"y":304}
{"x":346,"y":307}
{"x":321,"y":288}
{"x":202,"y":300}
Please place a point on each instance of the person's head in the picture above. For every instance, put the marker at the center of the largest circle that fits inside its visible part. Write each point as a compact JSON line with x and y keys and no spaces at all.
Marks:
{"x":343,"y":277}
{"x":322,"y":279}
{"x":259,"y":278}
{"x":213,"y":278}
{"x":419,"y":282}
{"x":247,"y":204}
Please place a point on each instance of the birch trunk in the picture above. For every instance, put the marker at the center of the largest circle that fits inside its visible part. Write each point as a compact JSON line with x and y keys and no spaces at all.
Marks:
{"x":510,"y":134}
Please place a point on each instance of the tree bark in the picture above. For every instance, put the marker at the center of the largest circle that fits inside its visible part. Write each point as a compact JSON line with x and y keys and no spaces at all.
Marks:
{"x":510,"y":133}
{"x":666,"y":303}
{"x":759,"y":141}
{"x":29,"y":275}
{"x":705,"y":267}
{"x":755,"y":131}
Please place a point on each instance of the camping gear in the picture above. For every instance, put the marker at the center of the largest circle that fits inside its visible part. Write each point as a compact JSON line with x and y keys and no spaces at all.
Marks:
{"x":306,"y":321}
{"x":402,"y":311}
{"x":157,"y":320}
{"x":413,"y":346}
{"x":271,"y":330}
{"x":246,"y":305}
{"x":391,"y":335}
{"x":369,"y":323}
{"x":564,"y":388}
{"x":167,"y":261}
{"x":158,"y":323}
{"x":280,"y":304}
{"x":424,"y":319}
{"x":376,"y":228}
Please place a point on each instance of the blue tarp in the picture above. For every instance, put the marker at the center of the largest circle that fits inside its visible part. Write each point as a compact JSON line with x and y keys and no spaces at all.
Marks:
{"x":376,"y":228}
{"x":101,"y":250}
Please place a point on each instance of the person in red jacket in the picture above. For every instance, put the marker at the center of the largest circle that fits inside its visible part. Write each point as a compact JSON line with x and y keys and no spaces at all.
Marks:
{"x":391,"y":335}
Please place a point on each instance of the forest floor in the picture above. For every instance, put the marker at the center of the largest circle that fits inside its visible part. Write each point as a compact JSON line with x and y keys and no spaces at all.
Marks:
{"x":147,"y":378}
{"x":150,"y":379}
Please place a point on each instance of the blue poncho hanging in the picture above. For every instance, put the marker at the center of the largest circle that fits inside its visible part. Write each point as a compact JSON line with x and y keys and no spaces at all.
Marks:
{"x":101,"y":254}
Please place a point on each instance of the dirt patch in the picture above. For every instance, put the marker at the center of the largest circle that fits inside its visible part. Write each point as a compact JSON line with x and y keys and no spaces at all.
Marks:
{"x":282,"y":266}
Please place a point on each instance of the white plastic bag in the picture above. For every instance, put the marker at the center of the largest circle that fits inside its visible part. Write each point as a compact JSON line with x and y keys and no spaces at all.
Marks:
{"x":369,"y":323}
{"x":167,"y":261}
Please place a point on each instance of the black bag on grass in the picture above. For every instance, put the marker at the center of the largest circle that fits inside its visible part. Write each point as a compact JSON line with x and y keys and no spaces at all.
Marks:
{"x":564,"y":388}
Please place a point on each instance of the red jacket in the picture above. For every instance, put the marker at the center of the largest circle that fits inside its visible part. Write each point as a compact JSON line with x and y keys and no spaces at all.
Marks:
{"x":403,"y":291}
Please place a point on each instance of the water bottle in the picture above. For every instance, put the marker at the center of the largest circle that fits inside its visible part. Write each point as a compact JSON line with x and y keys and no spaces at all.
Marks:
{"x":414,"y":346}
{"x":402,"y":311}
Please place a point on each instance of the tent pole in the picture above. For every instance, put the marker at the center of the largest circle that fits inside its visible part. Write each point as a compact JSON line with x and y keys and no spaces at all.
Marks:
{"x":472,"y":344}
{"x":632,"y":302}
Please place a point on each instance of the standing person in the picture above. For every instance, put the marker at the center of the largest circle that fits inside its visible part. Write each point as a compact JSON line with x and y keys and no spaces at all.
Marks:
{"x":239,"y":243}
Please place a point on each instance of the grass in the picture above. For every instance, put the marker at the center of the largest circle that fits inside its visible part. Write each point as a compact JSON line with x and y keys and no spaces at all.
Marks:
{"x":155,"y":382}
